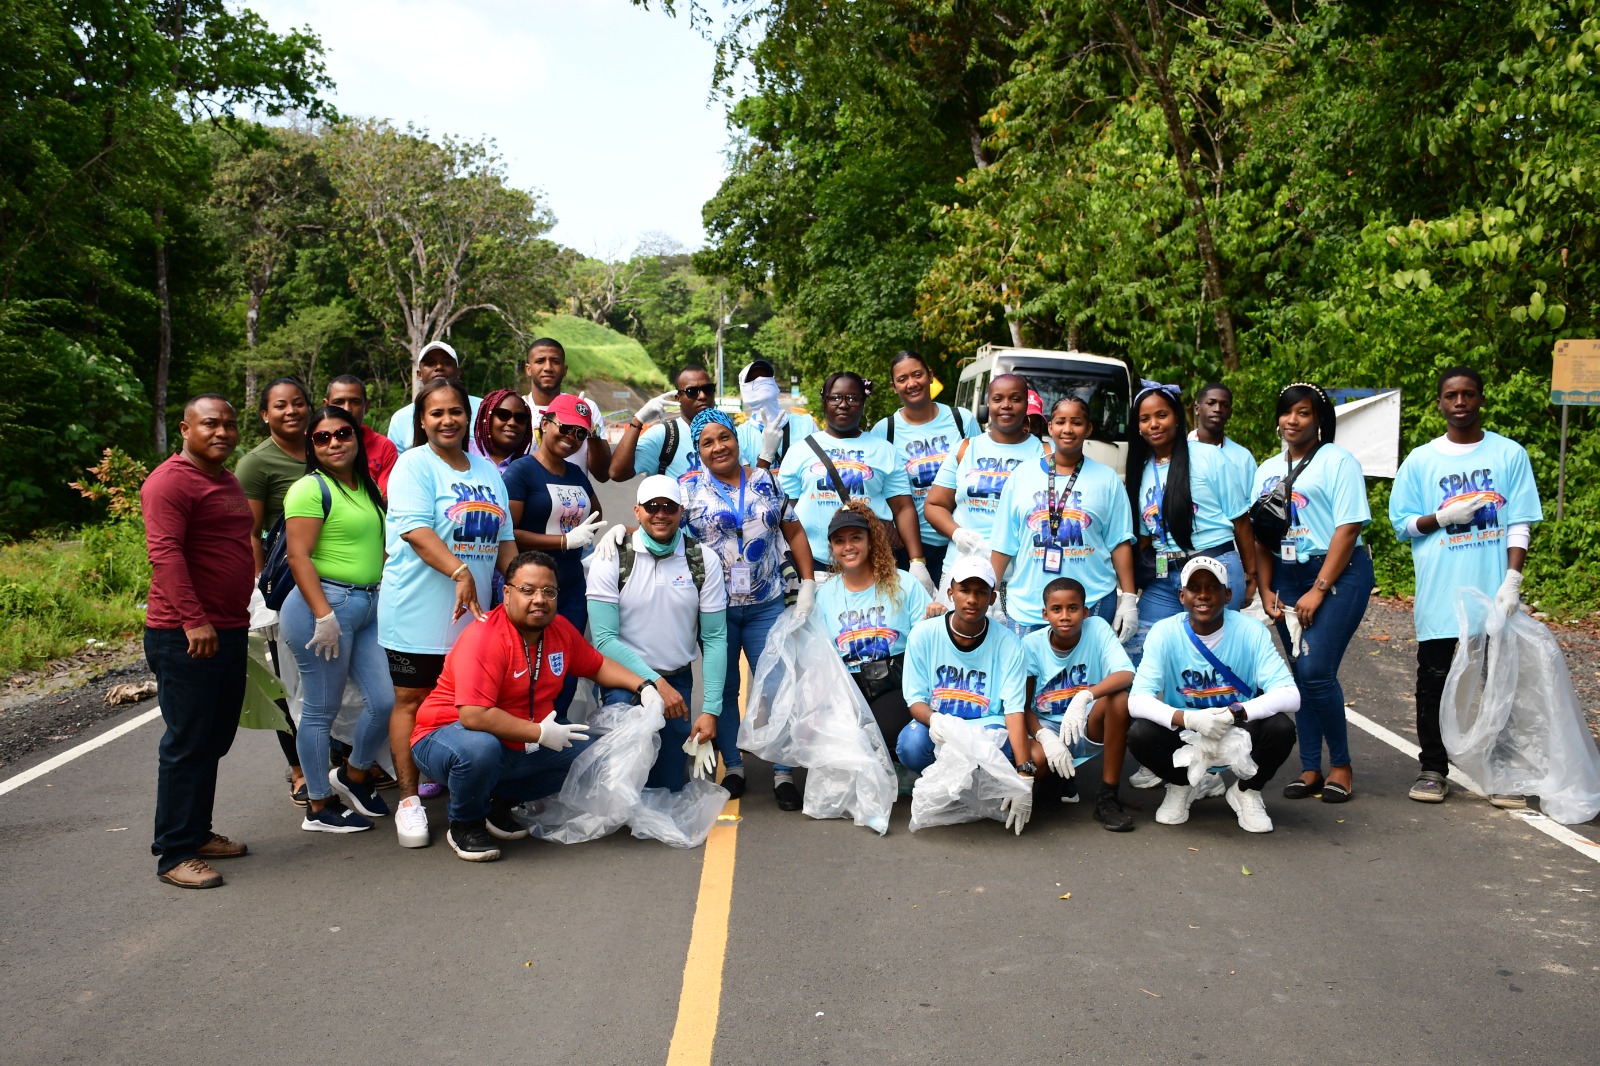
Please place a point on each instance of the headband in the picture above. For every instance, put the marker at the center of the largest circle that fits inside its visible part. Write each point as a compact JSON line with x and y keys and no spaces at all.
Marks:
{"x":1306,"y":385}
{"x":1147,"y":387}
{"x":710,"y":416}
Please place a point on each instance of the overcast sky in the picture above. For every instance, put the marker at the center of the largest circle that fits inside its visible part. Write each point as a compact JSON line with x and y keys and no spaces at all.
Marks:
{"x":600,"y":105}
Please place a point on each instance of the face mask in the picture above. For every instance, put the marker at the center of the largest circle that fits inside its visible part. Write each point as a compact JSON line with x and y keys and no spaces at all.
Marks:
{"x":657,"y":549}
{"x":760,"y":397}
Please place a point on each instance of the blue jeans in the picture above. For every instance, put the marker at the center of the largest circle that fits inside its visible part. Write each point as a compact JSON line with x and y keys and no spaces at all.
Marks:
{"x":1160,"y":600}
{"x":671,"y":769}
{"x":572,"y":604}
{"x":322,"y":680}
{"x":200,"y":702}
{"x":748,"y":627}
{"x":478,"y":769}
{"x":1316,"y":669}
{"x":916,"y":750}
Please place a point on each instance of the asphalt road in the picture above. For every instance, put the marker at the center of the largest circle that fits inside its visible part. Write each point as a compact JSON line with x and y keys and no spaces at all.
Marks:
{"x":1381,"y":931}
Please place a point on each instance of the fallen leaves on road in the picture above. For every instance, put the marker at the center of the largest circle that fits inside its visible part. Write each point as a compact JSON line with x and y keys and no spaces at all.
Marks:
{"x":1245,"y":870}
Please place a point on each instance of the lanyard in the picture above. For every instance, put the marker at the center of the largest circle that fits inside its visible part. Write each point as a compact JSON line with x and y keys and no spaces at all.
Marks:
{"x":727,"y":497}
{"x":534,"y":661}
{"x":1161,"y":519}
{"x":1058,"y":506}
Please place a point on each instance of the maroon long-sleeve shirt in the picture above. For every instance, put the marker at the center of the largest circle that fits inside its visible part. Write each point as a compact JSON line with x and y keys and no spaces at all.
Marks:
{"x":197,"y":527}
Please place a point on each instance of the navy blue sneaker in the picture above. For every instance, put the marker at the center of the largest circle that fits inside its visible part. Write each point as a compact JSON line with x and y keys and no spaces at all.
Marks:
{"x":334,"y":818}
{"x":358,"y":797}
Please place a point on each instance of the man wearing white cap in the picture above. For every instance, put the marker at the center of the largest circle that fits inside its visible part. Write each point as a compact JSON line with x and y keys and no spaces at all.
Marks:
{"x":437,"y":360}
{"x":1211,"y":670}
{"x":960,"y":666}
{"x":655,"y":606}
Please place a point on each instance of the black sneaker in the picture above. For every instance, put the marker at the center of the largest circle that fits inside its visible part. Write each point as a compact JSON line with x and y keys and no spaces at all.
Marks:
{"x":733,"y":781}
{"x":502,"y":824}
{"x":1069,"y":789}
{"x":471,"y":841}
{"x":788,"y":794}
{"x":361,"y":797}
{"x":1108,"y":811}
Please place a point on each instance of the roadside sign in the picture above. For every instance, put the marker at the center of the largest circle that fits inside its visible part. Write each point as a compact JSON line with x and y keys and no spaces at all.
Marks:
{"x":1575,"y":373}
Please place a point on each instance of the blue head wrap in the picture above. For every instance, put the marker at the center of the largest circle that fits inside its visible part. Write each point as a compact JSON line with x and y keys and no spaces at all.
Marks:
{"x":710,"y":416}
{"x":1147,"y":387}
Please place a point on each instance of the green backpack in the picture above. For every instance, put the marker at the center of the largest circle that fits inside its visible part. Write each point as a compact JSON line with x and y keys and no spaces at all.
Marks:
{"x":693,"y":551}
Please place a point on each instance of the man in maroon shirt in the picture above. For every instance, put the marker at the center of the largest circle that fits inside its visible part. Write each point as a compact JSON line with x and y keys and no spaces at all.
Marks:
{"x":197,"y":528}
{"x":350,"y":392}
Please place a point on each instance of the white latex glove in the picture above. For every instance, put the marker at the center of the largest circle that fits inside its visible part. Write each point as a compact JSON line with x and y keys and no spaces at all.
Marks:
{"x":585,"y":533}
{"x":702,"y":758}
{"x":1019,"y":808}
{"x":1506,"y":601}
{"x":938,"y":722}
{"x":652,"y":701}
{"x":1212,"y":725}
{"x":1458,"y":513}
{"x":806,"y":601}
{"x":558,"y":736}
{"x":772,"y":438}
{"x":997,"y":613}
{"x":608,"y":544}
{"x":1291,"y":622}
{"x":970,"y":542}
{"x":655,"y":408}
{"x":1125,"y":624}
{"x":919,"y":571}
{"x":325,"y":638}
{"x":1075,"y":719}
{"x":1056,"y":755}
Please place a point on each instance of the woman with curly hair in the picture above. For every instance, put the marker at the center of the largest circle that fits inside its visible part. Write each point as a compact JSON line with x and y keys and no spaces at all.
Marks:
{"x":502,"y":430}
{"x":867,"y":610}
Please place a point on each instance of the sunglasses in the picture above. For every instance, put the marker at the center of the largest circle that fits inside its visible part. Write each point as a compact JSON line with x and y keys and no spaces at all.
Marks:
{"x":699,"y":392}
{"x":323,"y":437}
{"x":576,"y":433}
{"x":521,"y":418}
{"x":660,"y":507}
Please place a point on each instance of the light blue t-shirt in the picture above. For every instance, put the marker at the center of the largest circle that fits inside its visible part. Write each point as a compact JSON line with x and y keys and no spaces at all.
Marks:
{"x":1497,"y":474}
{"x":1057,"y":676}
{"x":1330,"y":492}
{"x":1217,"y":493}
{"x":921,"y":450}
{"x":988,"y":682}
{"x":1174,"y":671}
{"x":1093,"y":522}
{"x":1239,"y":460}
{"x":866,"y":625}
{"x":801,"y":426}
{"x":866,"y":465}
{"x":979,"y":477}
{"x":469,"y":511}
{"x":713,"y":517}
{"x":647,"y":454}
{"x":400,"y":422}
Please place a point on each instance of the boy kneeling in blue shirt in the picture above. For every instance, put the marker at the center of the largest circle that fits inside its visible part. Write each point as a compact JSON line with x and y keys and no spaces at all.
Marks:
{"x":1211,"y":670}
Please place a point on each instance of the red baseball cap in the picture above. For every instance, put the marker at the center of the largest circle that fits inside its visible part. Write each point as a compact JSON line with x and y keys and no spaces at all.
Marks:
{"x":571,"y":410}
{"x":1035,"y":405}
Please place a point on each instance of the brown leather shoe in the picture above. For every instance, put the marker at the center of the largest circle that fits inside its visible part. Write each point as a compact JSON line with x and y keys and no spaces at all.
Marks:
{"x":192,"y":873}
{"x":220,"y":847}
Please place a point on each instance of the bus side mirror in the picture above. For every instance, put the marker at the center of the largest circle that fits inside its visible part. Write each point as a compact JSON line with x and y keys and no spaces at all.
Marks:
{"x":983,"y":414}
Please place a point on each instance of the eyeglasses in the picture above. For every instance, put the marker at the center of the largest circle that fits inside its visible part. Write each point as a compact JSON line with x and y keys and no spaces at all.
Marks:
{"x":660,"y":507}
{"x":576,"y":433}
{"x":323,"y":437}
{"x":521,"y":418}
{"x":699,"y":392}
{"x":845,"y":399}
{"x":538,"y":592}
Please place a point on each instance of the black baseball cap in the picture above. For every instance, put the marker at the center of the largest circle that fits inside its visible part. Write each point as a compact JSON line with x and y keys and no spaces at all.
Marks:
{"x":846,"y":518}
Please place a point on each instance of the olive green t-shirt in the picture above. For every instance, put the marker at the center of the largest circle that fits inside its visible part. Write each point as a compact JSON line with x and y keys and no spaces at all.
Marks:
{"x":350,"y":546}
{"x":265,"y":473}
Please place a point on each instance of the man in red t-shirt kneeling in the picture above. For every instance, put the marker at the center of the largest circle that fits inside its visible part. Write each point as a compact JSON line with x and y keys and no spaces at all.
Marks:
{"x":489,"y":730}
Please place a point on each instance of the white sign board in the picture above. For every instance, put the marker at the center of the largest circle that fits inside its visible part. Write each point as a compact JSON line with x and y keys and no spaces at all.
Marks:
{"x":1370,"y":430}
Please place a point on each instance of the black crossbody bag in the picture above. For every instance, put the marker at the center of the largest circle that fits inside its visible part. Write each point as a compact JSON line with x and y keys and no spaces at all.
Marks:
{"x":1269,"y":515}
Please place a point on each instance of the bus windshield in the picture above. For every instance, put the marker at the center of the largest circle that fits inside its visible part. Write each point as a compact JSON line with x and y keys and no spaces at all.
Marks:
{"x":1106,"y":393}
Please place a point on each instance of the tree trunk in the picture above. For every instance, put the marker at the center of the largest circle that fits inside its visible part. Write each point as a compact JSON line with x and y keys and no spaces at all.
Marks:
{"x":252,"y":333}
{"x":164,"y":352}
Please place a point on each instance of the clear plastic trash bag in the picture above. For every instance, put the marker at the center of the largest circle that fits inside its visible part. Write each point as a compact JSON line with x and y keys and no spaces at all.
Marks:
{"x":1202,"y":756}
{"x":803,"y":709}
{"x":1509,"y":715}
{"x":682,"y":819}
{"x":969,"y":779}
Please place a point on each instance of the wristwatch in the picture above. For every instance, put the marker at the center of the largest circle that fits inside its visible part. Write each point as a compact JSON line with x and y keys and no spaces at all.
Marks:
{"x":1238,"y":712}
{"x":1321,"y":584}
{"x":1027,"y":767}
{"x":642,"y":686}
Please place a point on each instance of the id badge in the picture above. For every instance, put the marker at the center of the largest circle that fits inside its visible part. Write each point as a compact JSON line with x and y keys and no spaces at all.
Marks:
{"x":739,"y":579}
{"x":1286,"y":552}
{"x":1052,"y":560}
{"x":1161,"y":564}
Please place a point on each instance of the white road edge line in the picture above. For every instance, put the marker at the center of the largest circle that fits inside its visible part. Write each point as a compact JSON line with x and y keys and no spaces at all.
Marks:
{"x":12,"y":783}
{"x":1549,"y":827}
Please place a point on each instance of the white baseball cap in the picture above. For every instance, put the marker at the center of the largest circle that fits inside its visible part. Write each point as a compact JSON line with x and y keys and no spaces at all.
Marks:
{"x":659,"y":487}
{"x":1204,"y":562}
{"x":438,"y":346}
{"x":968,"y":566}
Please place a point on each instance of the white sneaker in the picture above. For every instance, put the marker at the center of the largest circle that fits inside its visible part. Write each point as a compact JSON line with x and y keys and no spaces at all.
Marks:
{"x":1210,"y":785}
{"x":1251,"y":809}
{"x":1143,"y":778}
{"x":1174,"y":810}
{"x":411,"y":823}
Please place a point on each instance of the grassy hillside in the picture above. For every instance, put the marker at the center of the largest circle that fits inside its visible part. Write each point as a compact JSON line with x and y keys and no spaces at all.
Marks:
{"x":597,"y":352}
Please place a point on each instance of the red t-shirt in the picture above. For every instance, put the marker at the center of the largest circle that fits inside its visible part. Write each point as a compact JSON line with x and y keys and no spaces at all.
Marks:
{"x":197,"y":528}
{"x":488,"y":667}
{"x":381,"y":457}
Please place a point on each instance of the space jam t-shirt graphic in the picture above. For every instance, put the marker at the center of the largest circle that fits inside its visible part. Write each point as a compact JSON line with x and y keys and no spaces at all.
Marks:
{"x":1059,"y":676}
{"x":923,"y":459}
{"x":987,"y":682}
{"x":1217,"y":496}
{"x":864,"y":635}
{"x":1176,"y":674}
{"x":1496,"y":477}
{"x":921,"y":451}
{"x":1206,"y":688}
{"x":960,"y":692}
{"x":978,"y":476}
{"x":868,"y":468}
{"x":478,"y":515}
{"x":1329,"y":492}
{"x":869,"y":625}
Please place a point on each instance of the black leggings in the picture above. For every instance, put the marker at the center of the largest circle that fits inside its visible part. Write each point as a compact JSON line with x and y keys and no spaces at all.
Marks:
{"x":1433,"y":666}
{"x":892,"y":715}
{"x":1153,"y":744}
